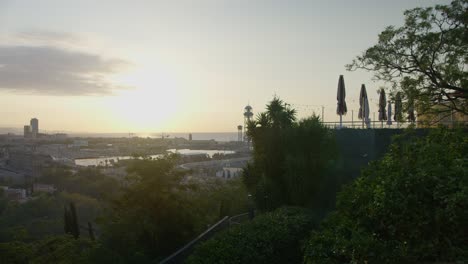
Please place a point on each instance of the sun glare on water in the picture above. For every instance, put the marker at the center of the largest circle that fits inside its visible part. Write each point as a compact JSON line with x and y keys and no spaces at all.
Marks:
{"x":149,"y":102}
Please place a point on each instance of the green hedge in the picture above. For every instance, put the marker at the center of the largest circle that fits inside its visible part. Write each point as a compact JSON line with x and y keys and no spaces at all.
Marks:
{"x":270,"y":238}
{"x":409,"y":207}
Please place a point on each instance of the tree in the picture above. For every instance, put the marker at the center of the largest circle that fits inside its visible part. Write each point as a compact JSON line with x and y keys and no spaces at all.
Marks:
{"x":71,"y":221}
{"x":289,"y":157}
{"x":274,"y":237}
{"x":155,"y":214}
{"x":91,"y":231}
{"x":426,"y":58}
{"x":408,"y":207}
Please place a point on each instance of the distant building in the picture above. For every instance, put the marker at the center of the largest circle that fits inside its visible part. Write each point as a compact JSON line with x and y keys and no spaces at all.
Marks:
{"x":190,"y":136}
{"x":248,"y":114}
{"x":60,"y":136}
{"x":11,"y":194}
{"x":446,"y":119}
{"x":28,"y":162}
{"x":229,"y":172}
{"x":11,"y":177}
{"x":34,"y":127}
{"x":78,"y":143}
{"x":27,"y":131}
{"x":44,"y":188}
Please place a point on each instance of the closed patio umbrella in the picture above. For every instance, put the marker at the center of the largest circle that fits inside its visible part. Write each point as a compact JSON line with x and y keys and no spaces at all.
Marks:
{"x":389,"y":113}
{"x":411,"y":116}
{"x":363,"y":106}
{"x":398,"y":110}
{"x":382,"y":105}
{"x":341,"y":108}
{"x":367,"y":112}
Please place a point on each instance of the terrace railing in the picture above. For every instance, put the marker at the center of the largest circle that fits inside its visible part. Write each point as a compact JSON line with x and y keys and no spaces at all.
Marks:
{"x":180,"y":255}
{"x":395,"y":125}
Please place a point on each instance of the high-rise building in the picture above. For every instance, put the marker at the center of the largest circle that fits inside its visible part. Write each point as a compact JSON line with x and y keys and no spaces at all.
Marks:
{"x":239,"y":133}
{"x":34,"y":127}
{"x":248,"y":114}
{"x":27,"y":131}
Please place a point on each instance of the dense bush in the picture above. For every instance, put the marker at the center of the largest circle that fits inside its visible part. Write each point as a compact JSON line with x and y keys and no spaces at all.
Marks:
{"x":411,"y":206}
{"x":160,"y":210}
{"x":270,"y":238}
{"x":43,"y":216}
{"x":290,"y":158}
{"x":154,"y":215}
{"x":53,"y":249}
{"x":87,"y":181}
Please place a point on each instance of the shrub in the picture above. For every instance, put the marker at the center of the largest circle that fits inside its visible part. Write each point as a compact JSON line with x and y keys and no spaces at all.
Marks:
{"x":291,"y":159}
{"x":270,"y":238}
{"x":411,"y":206}
{"x":53,"y":249}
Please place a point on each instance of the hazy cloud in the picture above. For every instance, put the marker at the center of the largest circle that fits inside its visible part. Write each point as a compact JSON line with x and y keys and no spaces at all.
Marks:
{"x":47,"y":36}
{"x":55,"y":70}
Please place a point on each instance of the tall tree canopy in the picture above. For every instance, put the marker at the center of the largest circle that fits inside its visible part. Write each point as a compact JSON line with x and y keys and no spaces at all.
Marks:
{"x":427,"y":57}
{"x":289,"y":159}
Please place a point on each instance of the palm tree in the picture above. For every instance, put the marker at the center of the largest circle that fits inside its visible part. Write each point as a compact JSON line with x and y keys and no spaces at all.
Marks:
{"x":280,"y":113}
{"x":263,"y":120}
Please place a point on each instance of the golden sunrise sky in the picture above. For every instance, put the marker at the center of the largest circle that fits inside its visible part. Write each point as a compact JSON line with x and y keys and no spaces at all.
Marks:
{"x":181,"y":65}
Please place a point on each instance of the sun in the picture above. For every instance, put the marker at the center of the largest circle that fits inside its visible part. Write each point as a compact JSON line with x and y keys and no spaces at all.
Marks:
{"x":150,"y":101}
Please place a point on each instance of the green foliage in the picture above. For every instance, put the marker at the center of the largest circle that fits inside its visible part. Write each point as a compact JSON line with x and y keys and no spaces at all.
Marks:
{"x":160,"y":210}
{"x":156,"y":211}
{"x":62,"y":249}
{"x":411,"y":206}
{"x":89,"y":181}
{"x":309,"y":152}
{"x":290,"y":159}
{"x":71,"y":221}
{"x":15,"y":252}
{"x":426,"y":57}
{"x":270,"y":238}
{"x":55,"y":249}
{"x":43,"y":215}
{"x":218,"y":198}
{"x":3,"y":201}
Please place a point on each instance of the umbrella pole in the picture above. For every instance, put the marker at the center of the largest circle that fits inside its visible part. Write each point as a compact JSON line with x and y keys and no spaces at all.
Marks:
{"x":341,"y":120}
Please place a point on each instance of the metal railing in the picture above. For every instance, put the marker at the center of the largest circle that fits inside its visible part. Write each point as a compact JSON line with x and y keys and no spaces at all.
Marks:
{"x":184,"y":252}
{"x":394,"y":125}
{"x":180,"y":255}
{"x":239,"y":219}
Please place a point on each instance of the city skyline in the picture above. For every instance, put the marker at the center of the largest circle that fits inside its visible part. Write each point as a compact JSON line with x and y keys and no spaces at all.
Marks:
{"x":177,"y":66}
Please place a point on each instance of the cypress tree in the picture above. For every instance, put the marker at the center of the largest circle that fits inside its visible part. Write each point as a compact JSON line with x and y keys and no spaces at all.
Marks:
{"x":75,"y":229}
{"x":66,"y":220}
{"x":91,"y":231}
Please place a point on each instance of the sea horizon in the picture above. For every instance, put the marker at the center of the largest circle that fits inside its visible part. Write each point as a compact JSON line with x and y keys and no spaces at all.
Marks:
{"x":217,"y":136}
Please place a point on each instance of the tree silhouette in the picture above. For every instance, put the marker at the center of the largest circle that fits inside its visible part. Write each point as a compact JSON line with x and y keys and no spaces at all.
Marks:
{"x":426,"y":57}
{"x":71,"y":221}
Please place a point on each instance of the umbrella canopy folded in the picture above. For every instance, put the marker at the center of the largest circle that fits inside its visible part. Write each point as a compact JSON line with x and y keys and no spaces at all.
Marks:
{"x":363,"y":106}
{"x":366,"y":113}
{"x":411,"y":116}
{"x":398,"y":106}
{"x":382,"y":105}
{"x":389,"y":113}
{"x":362,"y":99}
{"x":341,"y":108}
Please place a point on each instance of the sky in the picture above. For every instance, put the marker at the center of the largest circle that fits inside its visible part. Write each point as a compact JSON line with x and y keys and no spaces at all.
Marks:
{"x":182,"y":65}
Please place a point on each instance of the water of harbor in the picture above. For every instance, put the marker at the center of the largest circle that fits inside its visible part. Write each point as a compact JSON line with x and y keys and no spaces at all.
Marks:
{"x":103,"y":161}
